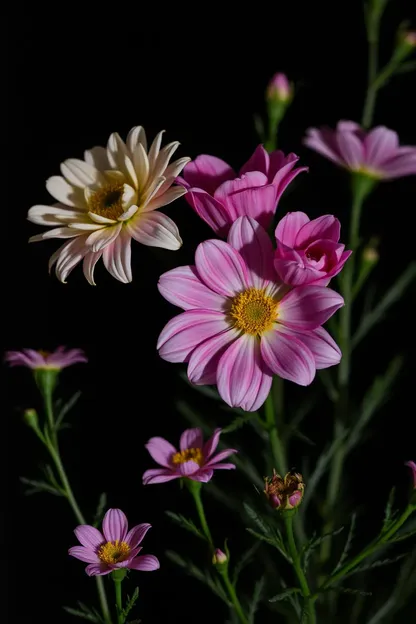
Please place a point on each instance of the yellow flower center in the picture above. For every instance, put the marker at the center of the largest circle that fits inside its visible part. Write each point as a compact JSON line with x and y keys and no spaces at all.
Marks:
{"x":43,"y":353}
{"x":114,"y":552}
{"x":192,"y":454}
{"x":253,"y":311}
{"x":108,"y":201}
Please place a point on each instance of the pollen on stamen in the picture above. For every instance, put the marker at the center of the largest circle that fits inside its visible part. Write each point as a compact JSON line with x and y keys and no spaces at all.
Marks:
{"x":191,"y":454}
{"x":114,"y":552}
{"x":107,"y":201}
{"x":253,"y":312}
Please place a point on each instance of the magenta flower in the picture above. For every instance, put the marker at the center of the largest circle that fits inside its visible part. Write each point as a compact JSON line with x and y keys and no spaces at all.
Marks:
{"x":55,"y":360}
{"x":376,"y":154}
{"x":194,"y":460}
{"x":412,"y":466}
{"x":241,"y":324}
{"x":116,"y":547}
{"x":308,"y":252}
{"x":219,"y":197}
{"x":279,"y":88}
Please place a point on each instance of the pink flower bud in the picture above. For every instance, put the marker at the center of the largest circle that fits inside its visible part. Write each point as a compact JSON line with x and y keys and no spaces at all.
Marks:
{"x":219,"y":557}
{"x":284,"y":493}
{"x":31,"y":418}
{"x":412,"y":466}
{"x":279,"y":88}
{"x":410,"y":38}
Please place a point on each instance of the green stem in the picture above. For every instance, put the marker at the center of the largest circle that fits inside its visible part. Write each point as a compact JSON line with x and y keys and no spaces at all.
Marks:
{"x":119,"y":601}
{"x":51,"y":443}
{"x":307,"y":596}
{"x":272,"y":416}
{"x":371,"y":548}
{"x":233,"y":596}
{"x":370,"y":100}
{"x":195,"y":488}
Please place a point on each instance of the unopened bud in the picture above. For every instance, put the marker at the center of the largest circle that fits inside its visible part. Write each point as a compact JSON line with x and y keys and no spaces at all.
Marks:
{"x":219,"y":557}
{"x":31,"y":418}
{"x":284,"y":493}
{"x":279,"y":89}
{"x":371,"y":255}
{"x":410,"y":38}
{"x":412,"y":466}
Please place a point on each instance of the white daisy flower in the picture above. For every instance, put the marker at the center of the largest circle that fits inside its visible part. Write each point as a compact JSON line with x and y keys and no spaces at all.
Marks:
{"x":109,"y":198}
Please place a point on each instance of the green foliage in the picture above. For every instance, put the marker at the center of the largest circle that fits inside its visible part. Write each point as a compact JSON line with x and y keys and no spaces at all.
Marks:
{"x":99,"y":512}
{"x":86,"y":613}
{"x":131,"y":601}
{"x":62,"y":410}
{"x":267,"y":533}
{"x":244,"y":560}
{"x":388,"y":513}
{"x":284,"y":595}
{"x":255,"y":600}
{"x":240,"y":421}
{"x":50,"y":485}
{"x":313,"y":543}
{"x":348,"y":544}
{"x":320,"y":469}
{"x":186,"y":524}
{"x":375,"y":564}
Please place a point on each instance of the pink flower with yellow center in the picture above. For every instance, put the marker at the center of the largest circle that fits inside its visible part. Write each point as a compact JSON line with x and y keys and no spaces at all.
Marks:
{"x":106,"y":200}
{"x":194,"y":460}
{"x":116,"y":547}
{"x":376,"y":154}
{"x":219,"y":197}
{"x":54,"y":360}
{"x":241,"y":324}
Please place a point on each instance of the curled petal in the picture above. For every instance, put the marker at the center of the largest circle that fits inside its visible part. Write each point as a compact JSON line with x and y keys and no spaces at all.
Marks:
{"x":155,"y":230}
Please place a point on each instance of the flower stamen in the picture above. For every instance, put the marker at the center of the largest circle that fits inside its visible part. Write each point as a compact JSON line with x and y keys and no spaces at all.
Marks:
{"x":107,"y":201}
{"x":191,"y":454}
{"x":114,"y":552}
{"x":253,"y":311}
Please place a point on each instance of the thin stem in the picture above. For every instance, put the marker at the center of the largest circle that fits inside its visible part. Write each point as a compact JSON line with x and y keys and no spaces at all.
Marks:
{"x":309,"y":605}
{"x":119,"y":601}
{"x":233,"y":596}
{"x":272,"y":416}
{"x":195,"y":489}
{"x":370,"y":100}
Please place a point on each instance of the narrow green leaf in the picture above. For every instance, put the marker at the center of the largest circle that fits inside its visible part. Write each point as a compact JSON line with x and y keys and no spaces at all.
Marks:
{"x":348,"y":543}
{"x":239,"y":422}
{"x":65,"y":409}
{"x":99,"y":512}
{"x":388,"y":513}
{"x":130,"y":603}
{"x":244,"y":560}
{"x":375,"y":564}
{"x":406,"y":67}
{"x":86,"y":613}
{"x":404,"y":536}
{"x":255,"y":600}
{"x":393,"y":295}
{"x":320,"y":469}
{"x":272,"y":541}
{"x":40,"y":486}
{"x":186,"y":524}
{"x":314,"y":542}
{"x":257,"y":519}
{"x":285,"y":594}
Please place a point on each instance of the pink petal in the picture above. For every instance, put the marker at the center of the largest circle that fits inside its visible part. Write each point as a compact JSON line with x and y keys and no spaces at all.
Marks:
{"x":145,"y":563}
{"x":158,"y":475}
{"x":161,"y":451}
{"x":203,"y":476}
{"x":207,"y":173}
{"x":135,"y":536}
{"x":259,"y":161}
{"x":117,"y":257}
{"x":186,"y":331}
{"x":251,"y":196}
{"x":97,"y":569}
{"x":188,"y":468}
{"x":251,"y":179}
{"x":89,"y":536}
{"x":223,"y":466}
{"x":326,"y":226}
{"x":380,"y":144}
{"x":212,"y":443}
{"x":288,"y":227}
{"x":242,"y":379}
{"x":210,"y":210}
{"x":322,"y":141}
{"x":203,"y":363}
{"x":345,"y":125}
{"x":323,"y":347}
{"x":154,"y":229}
{"x":115,"y":525}
{"x":125,"y":564}
{"x":219,"y":457}
{"x":183,"y":287}
{"x":221,"y":267}
{"x":252,"y":241}
{"x":289,"y":175}
{"x":191,"y":438}
{"x":288,"y":357}
{"x":83,"y":554}
{"x":292,"y":270}
{"x":401,"y":165}
{"x":308,"y":307}
{"x":351,"y":149}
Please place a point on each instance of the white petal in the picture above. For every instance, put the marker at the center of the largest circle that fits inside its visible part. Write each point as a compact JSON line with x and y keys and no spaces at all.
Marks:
{"x":152,"y":190}
{"x":79,"y":173}
{"x":154,"y":149}
{"x":64,"y":192}
{"x":176,"y":167}
{"x":60,"y":232}
{"x":129,"y":213}
{"x":166,"y":198}
{"x":164,"y":157}
{"x":117,"y":257}
{"x":129,"y":196}
{"x":52,"y":215}
{"x":155,"y":230}
{"x":141,"y":165}
{"x":69,"y":257}
{"x":100,"y":219}
{"x":87,"y":226}
{"x":118,"y":157}
{"x":135,"y":136}
{"x":99,"y":239}
{"x":97,"y":156}
{"x":90,"y":260}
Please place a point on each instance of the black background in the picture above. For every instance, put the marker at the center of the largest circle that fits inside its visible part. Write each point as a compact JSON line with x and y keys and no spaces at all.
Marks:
{"x":201,"y":75}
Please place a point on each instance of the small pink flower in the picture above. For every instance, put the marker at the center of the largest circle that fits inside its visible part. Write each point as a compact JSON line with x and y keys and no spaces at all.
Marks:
{"x":194,"y":460}
{"x":279,"y":88}
{"x":241,"y":324}
{"x":55,"y":360}
{"x":410,"y":38}
{"x":308,"y":252}
{"x":412,"y":466}
{"x":219,"y":197}
{"x":376,"y":154}
{"x":116,"y":547}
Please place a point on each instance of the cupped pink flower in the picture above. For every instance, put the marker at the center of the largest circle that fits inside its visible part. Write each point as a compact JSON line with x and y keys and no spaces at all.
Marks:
{"x":113,"y":548}
{"x":376,"y":154}
{"x":279,"y":88}
{"x":108,"y":199}
{"x":308,"y":252}
{"x":55,"y":360}
{"x":219,"y":197}
{"x":241,"y":324}
{"x":412,"y":466}
{"x":194,"y":460}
